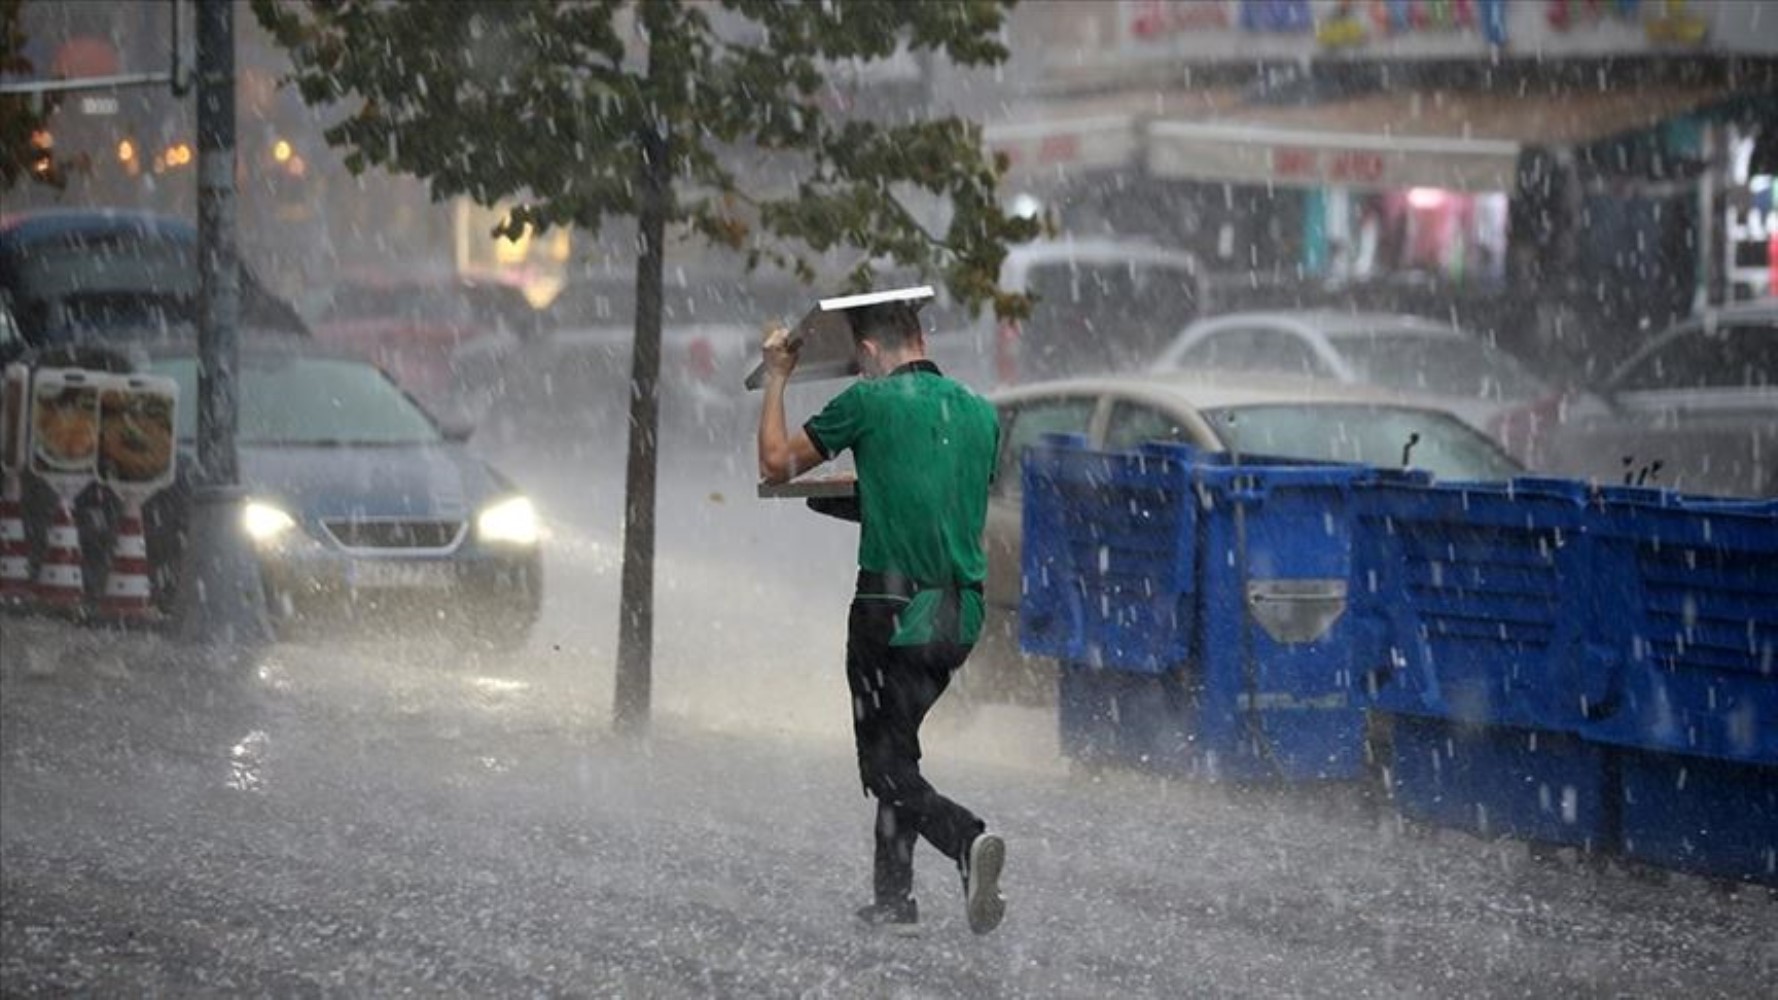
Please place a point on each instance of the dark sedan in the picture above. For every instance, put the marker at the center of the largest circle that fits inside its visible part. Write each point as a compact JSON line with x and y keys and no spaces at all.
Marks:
{"x":362,"y":508}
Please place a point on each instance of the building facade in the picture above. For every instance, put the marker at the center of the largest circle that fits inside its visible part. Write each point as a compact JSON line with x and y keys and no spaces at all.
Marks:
{"x":1537,"y":165}
{"x":1607,"y":162}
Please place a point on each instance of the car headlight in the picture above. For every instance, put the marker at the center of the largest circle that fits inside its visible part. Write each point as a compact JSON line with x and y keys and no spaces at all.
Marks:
{"x":513,"y":521}
{"x":265,"y":523}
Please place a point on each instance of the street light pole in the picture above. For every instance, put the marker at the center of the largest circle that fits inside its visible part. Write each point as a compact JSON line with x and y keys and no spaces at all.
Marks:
{"x":221,"y":603}
{"x":219,"y":315}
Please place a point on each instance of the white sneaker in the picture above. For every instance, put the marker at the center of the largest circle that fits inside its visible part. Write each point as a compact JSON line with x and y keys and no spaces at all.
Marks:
{"x":981,"y":882}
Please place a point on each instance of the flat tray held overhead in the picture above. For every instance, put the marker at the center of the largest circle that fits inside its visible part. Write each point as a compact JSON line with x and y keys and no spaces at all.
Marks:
{"x":825,"y":333}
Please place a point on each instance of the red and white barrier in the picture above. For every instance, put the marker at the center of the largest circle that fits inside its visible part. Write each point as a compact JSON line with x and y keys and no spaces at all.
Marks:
{"x":60,"y":582}
{"x":129,"y":592}
{"x":15,"y":551}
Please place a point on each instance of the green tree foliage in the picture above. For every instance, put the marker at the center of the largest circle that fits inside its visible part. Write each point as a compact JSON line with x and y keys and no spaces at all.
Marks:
{"x":548,"y":105}
{"x":701,"y":118}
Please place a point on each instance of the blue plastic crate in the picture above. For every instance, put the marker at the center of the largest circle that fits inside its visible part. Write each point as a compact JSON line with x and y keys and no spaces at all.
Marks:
{"x":1694,"y":646}
{"x":1708,"y":817}
{"x":1109,"y":557}
{"x":1495,"y":781}
{"x":1477,"y":602}
{"x":1221,"y":583}
{"x":1159,"y":723}
{"x":1274,"y":678}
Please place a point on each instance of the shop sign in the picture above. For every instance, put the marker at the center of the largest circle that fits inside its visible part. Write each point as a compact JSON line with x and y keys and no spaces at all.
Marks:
{"x":1568,"y":15}
{"x":1354,"y":22}
{"x":136,"y":434}
{"x":1153,"y":19}
{"x":98,"y":105}
{"x":1277,"y":17}
{"x":1260,"y":154}
{"x":64,"y":425}
{"x":1677,"y":24}
{"x":1337,"y":166}
{"x":1662,"y":21}
{"x":1037,"y":147}
{"x":1211,"y":26}
{"x":1218,"y":30}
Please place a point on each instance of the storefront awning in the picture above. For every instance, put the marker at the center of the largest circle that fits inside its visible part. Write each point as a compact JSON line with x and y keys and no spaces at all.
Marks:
{"x":1051,"y":142}
{"x":1259,"y":154}
{"x":1457,"y":140}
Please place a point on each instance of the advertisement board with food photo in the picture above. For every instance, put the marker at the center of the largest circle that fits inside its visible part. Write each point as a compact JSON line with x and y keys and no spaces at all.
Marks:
{"x":65,"y":423}
{"x":136,"y":443}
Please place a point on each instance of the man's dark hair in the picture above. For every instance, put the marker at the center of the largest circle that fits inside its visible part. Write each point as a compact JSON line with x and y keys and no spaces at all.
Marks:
{"x":891,"y":325}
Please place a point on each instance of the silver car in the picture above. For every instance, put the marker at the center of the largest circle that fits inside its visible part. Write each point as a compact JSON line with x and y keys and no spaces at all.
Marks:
{"x":1696,"y":409}
{"x":1474,"y":379}
{"x":1275,"y":416}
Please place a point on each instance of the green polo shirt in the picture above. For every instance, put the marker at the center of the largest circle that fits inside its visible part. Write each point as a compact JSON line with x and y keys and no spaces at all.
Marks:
{"x":924,"y":446}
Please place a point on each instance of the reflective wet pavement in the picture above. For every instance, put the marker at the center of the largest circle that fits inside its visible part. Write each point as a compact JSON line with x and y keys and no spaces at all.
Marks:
{"x":372,"y":817}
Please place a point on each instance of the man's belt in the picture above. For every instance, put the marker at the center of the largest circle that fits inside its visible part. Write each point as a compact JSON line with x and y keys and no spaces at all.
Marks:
{"x":946,"y":617}
{"x":897,"y":585}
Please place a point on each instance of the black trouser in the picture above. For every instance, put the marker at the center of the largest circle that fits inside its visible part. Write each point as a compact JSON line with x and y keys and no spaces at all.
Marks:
{"x":892,"y":689}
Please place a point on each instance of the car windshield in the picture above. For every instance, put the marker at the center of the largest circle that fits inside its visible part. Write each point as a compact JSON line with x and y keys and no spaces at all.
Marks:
{"x":309,"y":401}
{"x":1445,"y":365}
{"x":1369,"y":434}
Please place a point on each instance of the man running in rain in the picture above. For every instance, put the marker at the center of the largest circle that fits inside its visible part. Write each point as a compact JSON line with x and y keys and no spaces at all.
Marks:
{"x":924,"y":446}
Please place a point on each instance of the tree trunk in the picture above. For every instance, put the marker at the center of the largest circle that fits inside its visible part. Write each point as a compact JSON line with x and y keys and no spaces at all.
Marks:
{"x":635,"y":634}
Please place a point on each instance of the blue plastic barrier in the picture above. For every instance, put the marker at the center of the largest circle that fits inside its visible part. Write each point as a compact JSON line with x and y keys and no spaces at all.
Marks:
{"x":1276,"y":686}
{"x":1477,"y":603}
{"x":1701,"y":815}
{"x":1223,"y":586}
{"x":1109,"y":557}
{"x":1496,"y":781}
{"x":1696,"y":634}
{"x":1563,"y":663}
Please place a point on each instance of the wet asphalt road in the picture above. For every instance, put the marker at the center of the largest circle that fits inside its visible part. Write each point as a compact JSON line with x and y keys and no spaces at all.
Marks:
{"x":374,"y":817}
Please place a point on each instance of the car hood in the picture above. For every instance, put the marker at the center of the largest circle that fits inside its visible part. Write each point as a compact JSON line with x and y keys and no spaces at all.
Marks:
{"x":402,"y":481}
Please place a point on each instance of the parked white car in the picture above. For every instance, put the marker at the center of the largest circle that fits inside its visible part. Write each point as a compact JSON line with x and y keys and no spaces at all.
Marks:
{"x":1486,"y":386}
{"x":1270,"y":415}
{"x":1700,"y":399}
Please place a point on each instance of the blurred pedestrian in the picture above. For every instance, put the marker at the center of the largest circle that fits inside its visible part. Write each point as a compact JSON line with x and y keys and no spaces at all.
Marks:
{"x":924,"y":446}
